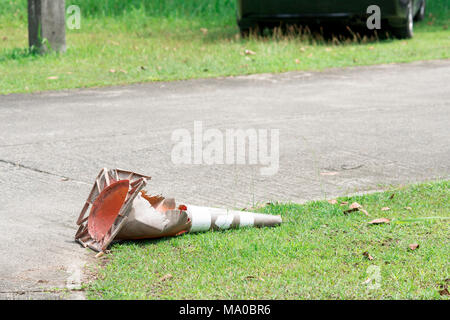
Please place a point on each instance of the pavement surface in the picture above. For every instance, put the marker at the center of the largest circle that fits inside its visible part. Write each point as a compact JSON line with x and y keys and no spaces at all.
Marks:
{"x":340,"y":131}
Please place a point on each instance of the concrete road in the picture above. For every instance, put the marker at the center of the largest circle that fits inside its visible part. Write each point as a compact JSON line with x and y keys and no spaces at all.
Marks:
{"x":340,"y":131}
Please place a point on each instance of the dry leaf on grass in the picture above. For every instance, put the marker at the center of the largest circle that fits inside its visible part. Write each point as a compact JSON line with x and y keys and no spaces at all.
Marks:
{"x":367,"y":255}
{"x":385,"y":209}
{"x":343,"y":203}
{"x":355,"y":205}
{"x":249,"y":52}
{"x":166,"y":277}
{"x":253,"y":278}
{"x":52,"y":78}
{"x":413,"y":246}
{"x":380,"y":221}
{"x":364,"y":211}
{"x":444,"y":292}
{"x":204,"y":31}
{"x":297,"y":61}
{"x":443,"y":289}
{"x":332,"y":201}
{"x":112,"y":70}
{"x":408,"y":208}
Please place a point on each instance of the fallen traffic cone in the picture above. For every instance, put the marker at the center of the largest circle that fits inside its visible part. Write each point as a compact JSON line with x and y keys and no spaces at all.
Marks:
{"x":121,"y":210}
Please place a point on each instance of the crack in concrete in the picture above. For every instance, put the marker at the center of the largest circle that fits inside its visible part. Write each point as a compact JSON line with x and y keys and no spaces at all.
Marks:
{"x":41,"y":171}
{"x":56,"y":290}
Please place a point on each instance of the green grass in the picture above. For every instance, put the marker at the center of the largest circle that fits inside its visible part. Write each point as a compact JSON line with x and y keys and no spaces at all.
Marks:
{"x":316,"y":254}
{"x":139,"y":41}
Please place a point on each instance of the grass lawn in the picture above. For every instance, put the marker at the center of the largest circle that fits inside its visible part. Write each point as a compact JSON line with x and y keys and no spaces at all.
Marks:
{"x":170,"y":40}
{"x":318,"y":253}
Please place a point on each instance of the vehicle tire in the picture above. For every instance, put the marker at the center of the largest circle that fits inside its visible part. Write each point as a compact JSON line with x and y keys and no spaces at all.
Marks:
{"x":406,"y":31}
{"x":420,"y":15}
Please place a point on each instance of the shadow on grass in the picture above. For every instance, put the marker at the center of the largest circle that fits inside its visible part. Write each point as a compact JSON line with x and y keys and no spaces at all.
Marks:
{"x":325,"y":33}
{"x":140,"y":242}
{"x":146,"y":242}
{"x":308,"y":33}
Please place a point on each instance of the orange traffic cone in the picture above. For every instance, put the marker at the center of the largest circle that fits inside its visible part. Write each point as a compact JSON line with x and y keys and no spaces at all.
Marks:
{"x":121,"y":210}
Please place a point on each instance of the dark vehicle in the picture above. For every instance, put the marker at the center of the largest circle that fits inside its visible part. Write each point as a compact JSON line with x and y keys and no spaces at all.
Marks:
{"x":396,"y":15}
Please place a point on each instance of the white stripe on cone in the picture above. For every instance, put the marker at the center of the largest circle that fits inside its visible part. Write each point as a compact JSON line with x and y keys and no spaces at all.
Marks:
{"x":200,"y":217}
{"x":203,"y":218}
